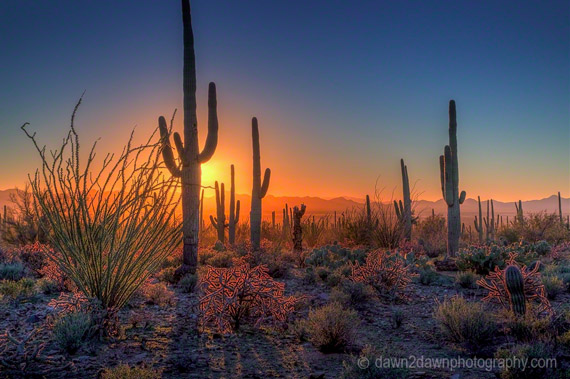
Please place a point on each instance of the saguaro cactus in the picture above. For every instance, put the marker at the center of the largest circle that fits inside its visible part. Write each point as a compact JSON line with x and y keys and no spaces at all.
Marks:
{"x":515,"y":286}
{"x":202,"y":211}
{"x":560,"y":209}
{"x":404,"y":210}
{"x":259,"y":190}
{"x":490,"y":222}
{"x":520,"y":214}
{"x":219,"y":222}
{"x":479,"y":221}
{"x":449,"y":173}
{"x":297,"y":229}
{"x":189,"y":151}
{"x":234,"y":210}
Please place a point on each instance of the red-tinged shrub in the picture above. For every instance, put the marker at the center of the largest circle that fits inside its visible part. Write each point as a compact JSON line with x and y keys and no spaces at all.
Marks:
{"x":232,"y":295}
{"x":533,"y":288}
{"x":385,"y":271}
{"x":34,"y":255}
{"x":52,"y":271}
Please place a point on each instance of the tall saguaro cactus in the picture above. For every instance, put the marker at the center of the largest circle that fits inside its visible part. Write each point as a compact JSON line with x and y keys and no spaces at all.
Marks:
{"x":404,"y":210}
{"x":479,"y":221}
{"x":219,"y":222}
{"x":259,"y":190}
{"x":234,"y":210}
{"x":298,"y":213}
{"x":449,"y":170}
{"x":191,"y":158}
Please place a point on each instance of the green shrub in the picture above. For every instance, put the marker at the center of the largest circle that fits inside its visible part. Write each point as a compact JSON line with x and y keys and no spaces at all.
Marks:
{"x":124,"y":371}
{"x":158,"y":294}
{"x":188,"y":283}
{"x":331,"y":328}
{"x":323,"y":273}
{"x":17,"y":289}
{"x":12,"y":271}
{"x":351,"y":294}
{"x":366,"y":366}
{"x":526,"y":352}
{"x":482,"y":260}
{"x":465,"y":323}
{"x":467,"y":279}
{"x":528,"y":328}
{"x":47,"y":286}
{"x":553,"y":286}
{"x":222,"y":259}
{"x":542,"y":248}
{"x":428,"y":276}
{"x":334,"y":256}
{"x":72,"y":330}
{"x":167,"y":275}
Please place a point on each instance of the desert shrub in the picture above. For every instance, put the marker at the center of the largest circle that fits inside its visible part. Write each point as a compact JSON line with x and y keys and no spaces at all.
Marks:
{"x":188,"y":283}
{"x":233,"y":295}
{"x":509,"y":234}
{"x":482,"y":259}
{"x":397,"y":318}
{"x":72,"y":330}
{"x":542,"y":248}
{"x":543,"y":226}
{"x":47,"y":286}
{"x":124,"y":371}
{"x":334,"y":256}
{"x":385,"y":271}
{"x":526,"y":352}
{"x":351,"y":294}
{"x":323,"y":273}
{"x":527,"y":328}
{"x":141,"y":318}
{"x":428,"y":276}
{"x":222,"y":259}
{"x":465,"y":323}
{"x":467,"y":279}
{"x":53,"y":272}
{"x":534,"y":290}
{"x":370,"y":357}
{"x":167,"y":275}
{"x":334,"y":279}
{"x":309,"y":276}
{"x":331,"y":328}
{"x":553,"y":286}
{"x":34,"y":256}
{"x":17,"y":289}
{"x":112,"y":226}
{"x":432,"y":235}
{"x":12,"y":271}
{"x":158,"y":294}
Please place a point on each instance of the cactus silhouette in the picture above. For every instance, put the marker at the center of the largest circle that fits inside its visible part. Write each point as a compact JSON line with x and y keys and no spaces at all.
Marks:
{"x":219,"y":222}
{"x":297,"y":229}
{"x":234,"y":210}
{"x":520,"y":214}
{"x":479,"y":221}
{"x":259,"y":190}
{"x":404,"y":210}
{"x":190,"y":156}
{"x":515,"y":286}
{"x":449,"y":173}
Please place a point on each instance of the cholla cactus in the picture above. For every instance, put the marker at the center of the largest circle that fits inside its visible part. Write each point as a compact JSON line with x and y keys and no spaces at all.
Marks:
{"x":449,"y":173}
{"x":514,"y":287}
{"x":233,"y":294}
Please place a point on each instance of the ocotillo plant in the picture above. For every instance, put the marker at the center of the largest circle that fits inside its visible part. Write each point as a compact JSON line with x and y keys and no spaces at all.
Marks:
{"x":259,"y":190}
{"x":297,"y":229}
{"x":219,"y":222}
{"x":191,"y":158}
{"x":449,"y":173}
{"x":404,"y":210}
{"x":479,"y":222}
{"x":234,"y":210}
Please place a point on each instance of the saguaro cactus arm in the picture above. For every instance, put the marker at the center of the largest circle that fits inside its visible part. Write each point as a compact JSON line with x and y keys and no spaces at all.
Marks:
{"x":167,"y":153}
{"x":212,"y":137}
{"x":265,"y":185}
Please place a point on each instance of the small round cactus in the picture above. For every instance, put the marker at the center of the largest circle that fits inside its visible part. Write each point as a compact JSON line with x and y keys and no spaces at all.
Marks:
{"x":515,"y":286}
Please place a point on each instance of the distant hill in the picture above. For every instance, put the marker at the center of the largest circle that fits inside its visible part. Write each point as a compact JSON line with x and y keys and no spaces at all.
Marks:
{"x":319,"y":207}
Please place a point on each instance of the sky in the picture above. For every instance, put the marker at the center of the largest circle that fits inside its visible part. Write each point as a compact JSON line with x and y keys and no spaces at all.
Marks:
{"x":342,"y":89}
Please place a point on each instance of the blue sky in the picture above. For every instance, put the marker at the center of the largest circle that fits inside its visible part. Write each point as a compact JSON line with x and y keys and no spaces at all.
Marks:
{"x":342,"y":89}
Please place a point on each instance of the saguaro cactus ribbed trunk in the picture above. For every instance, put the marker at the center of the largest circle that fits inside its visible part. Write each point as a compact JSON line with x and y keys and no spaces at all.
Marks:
{"x":234,"y":210}
{"x":189,"y":153}
{"x":297,"y":228}
{"x":479,"y":222}
{"x":259,"y":190}
{"x":449,"y":173}
{"x":404,"y":210}
{"x":219,"y":222}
